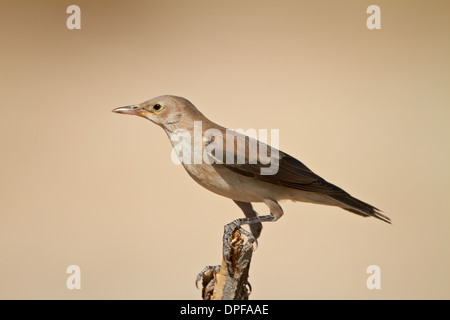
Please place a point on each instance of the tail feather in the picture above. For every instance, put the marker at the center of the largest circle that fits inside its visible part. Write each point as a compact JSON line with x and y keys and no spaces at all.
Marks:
{"x":359,"y":207}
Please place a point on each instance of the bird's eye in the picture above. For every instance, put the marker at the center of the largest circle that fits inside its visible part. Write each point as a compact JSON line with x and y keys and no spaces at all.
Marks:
{"x":157,"y":107}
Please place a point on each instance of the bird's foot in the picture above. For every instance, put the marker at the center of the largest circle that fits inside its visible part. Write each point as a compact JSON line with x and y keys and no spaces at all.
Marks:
{"x":208,"y":273}
{"x":208,"y":277}
{"x":233,"y":241}
{"x":236,"y":246}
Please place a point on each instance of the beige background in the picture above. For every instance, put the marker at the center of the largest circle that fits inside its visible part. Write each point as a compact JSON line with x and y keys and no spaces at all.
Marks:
{"x":366,"y":110}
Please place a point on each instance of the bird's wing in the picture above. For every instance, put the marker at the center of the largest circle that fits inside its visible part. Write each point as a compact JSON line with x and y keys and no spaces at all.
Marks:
{"x":253,"y":157}
{"x":289,"y":172}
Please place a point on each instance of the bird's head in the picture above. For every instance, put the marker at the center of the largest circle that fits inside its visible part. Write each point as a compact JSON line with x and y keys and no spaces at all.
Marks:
{"x":169,"y":112}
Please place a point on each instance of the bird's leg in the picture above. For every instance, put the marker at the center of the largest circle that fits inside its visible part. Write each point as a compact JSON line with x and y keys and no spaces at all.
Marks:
{"x":251,"y":218}
{"x":229,"y":246}
{"x":236,"y":224}
{"x":237,"y":254}
{"x":247,"y":208}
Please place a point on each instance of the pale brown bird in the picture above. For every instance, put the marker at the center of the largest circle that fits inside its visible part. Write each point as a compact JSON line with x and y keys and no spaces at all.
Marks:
{"x":238,"y":173}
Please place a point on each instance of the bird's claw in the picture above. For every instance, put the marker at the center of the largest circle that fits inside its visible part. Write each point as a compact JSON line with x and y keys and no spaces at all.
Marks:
{"x":209,"y":273}
{"x":231,"y":242}
{"x":249,"y":287}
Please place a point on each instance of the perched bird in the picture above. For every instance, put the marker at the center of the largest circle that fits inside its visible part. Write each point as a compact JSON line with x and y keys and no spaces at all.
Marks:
{"x":238,"y":173}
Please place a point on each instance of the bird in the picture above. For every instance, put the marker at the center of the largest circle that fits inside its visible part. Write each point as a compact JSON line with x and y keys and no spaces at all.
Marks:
{"x":238,"y":173}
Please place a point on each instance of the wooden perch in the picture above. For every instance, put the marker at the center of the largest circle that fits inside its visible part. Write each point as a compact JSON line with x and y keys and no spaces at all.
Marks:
{"x":229,"y":281}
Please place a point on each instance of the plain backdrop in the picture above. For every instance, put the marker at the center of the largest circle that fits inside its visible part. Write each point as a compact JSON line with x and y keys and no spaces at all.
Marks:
{"x":368,"y":110}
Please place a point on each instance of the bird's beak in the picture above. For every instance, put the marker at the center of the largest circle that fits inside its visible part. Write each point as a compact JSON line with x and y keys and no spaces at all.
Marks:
{"x":133,"y":110}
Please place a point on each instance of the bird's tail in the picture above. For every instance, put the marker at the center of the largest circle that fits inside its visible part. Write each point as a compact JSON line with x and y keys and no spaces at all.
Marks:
{"x":349,"y":203}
